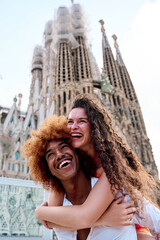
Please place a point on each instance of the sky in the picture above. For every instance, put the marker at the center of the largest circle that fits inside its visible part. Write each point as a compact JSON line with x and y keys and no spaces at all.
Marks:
{"x":135,"y":22}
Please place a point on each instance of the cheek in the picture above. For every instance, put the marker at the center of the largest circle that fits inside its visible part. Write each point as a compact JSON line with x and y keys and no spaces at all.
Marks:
{"x":89,"y":134}
{"x":68,"y":126}
{"x":88,"y":130}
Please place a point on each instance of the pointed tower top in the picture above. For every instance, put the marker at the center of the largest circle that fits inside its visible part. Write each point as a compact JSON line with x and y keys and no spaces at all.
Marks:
{"x":105,"y":40}
{"x":15,"y":99}
{"x":115,"y":43}
{"x":119,"y":57}
{"x":102,"y":27}
{"x":19,"y":102}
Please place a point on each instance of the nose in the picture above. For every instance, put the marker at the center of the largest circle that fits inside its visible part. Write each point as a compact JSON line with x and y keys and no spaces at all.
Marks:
{"x":74,"y":125}
{"x":58,"y":154}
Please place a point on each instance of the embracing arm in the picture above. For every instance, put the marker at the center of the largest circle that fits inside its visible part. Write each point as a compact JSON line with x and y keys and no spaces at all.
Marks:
{"x":55,"y":198}
{"x":118,"y":214}
{"x":50,"y":225}
{"x":81,"y":216}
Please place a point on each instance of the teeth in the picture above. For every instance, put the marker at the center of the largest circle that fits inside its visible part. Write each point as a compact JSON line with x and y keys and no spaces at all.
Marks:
{"x":64,"y":163}
{"x":76,"y":135}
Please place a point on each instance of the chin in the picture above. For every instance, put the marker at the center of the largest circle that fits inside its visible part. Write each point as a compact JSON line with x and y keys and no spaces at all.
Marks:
{"x":76,"y":145}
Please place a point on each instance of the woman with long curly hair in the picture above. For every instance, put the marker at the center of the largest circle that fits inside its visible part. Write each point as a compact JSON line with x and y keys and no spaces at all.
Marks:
{"x":119,"y":169}
{"x":110,"y":152}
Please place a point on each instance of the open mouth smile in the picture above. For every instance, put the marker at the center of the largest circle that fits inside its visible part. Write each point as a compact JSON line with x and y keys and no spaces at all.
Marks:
{"x":76,"y":135}
{"x":65,"y":162}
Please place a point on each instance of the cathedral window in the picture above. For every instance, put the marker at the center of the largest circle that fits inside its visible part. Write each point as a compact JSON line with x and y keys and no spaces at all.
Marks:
{"x":22,"y":168}
{"x":47,"y":90}
{"x":84,"y":90}
{"x":69,"y":96}
{"x":119,"y":104}
{"x":47,"y":79}
{"x":19,"y":167}
{"x":59,"y":101}
{"x":29,"y":123}
{"x":9,"y":166}
{"x":12,"y":120}
{"x":136,"y":119}
{"x":132,"y":117}
{"x":13,"y":167}
{"x":64,"y":97}
{"x":88,"y":89}
{"x":114,"y":101}
{"x":17,"y":155}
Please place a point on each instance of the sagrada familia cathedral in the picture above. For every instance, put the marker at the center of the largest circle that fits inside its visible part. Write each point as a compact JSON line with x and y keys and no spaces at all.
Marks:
{"x":62,"y":68}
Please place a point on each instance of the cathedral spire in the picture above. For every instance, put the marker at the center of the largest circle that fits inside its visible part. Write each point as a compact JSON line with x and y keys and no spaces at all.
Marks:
{"x":105,"y":40}
{"x":126,"y":81}
{"x":12,"y":116}
{"x":119,"y":57}
{"x":109,"y":63}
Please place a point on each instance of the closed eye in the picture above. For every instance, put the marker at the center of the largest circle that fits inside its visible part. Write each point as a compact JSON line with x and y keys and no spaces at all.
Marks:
{"x":70,"y":121}
{"x":82,"y":121}
{"x":64,"y":146}
{"x":50,"y":155}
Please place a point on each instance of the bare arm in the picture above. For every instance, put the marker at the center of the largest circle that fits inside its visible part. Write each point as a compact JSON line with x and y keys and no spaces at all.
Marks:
{"x":118,"y":214}
{"x":81,"y":216}
{"x":50,"y":225}
{"x":55,"y":198}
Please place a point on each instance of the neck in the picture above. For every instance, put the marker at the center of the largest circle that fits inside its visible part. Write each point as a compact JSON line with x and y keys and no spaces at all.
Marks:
{"x":77,"y":188}
{"x":90,"y":150}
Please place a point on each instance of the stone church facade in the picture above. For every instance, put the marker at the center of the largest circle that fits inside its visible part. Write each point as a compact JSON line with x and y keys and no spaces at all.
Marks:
{"x":62,"y":68}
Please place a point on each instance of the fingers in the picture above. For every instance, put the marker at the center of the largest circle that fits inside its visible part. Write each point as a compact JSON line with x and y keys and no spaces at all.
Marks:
{"x":128,"y":222}
{"x":131,"y":210}
{"x":129,"y":204}
{"x":119,"y":200}
{"x":125,"y":204}
{"x":129,"y":216}
{"x":44,"y":204}
{"x":45,"y":224}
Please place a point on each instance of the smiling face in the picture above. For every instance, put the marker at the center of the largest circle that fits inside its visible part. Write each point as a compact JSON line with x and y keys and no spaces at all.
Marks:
{"x":80,"y":128}
{"x":62,"y":160}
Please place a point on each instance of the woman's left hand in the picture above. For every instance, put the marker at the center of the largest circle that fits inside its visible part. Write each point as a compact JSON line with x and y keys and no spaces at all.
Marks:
{"x":118,"y":214}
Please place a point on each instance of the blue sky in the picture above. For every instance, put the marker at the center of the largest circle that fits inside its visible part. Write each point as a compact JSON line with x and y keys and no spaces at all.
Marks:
{"x":136,"y":24}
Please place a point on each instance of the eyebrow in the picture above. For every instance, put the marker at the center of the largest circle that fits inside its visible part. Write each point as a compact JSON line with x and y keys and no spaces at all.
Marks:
{"x":79,"y":118}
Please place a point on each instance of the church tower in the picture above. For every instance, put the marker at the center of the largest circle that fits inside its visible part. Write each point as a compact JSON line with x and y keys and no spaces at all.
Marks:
{"x":124,"y":105}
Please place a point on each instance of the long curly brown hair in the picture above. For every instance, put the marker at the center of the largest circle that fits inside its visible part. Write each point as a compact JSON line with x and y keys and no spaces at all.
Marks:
{"x":121,"y":165}
{"x":52,"y":128}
